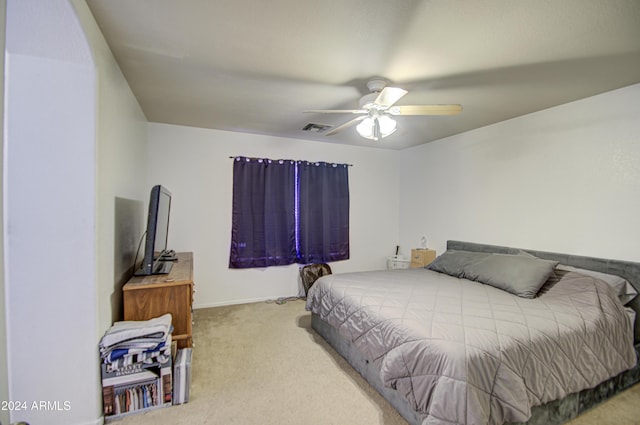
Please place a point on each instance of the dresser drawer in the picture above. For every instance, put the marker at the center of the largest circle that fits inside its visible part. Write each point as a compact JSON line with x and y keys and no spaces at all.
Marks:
{"x":422,"y":257}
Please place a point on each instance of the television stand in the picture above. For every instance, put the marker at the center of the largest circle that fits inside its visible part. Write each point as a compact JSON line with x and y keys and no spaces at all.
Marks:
{"x":146,"y":297}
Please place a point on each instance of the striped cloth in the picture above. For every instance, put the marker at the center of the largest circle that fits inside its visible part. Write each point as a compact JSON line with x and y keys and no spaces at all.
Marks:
{"x":135,"y":337}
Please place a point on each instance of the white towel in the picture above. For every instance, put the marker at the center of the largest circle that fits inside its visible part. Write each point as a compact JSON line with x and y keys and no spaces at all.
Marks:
{"x":152,"y":330}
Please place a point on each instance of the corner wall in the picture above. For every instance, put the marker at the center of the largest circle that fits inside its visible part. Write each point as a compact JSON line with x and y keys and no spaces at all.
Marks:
{"x":565,"y":179}
{"x":50,"y":263}
{"x":121,"y":158}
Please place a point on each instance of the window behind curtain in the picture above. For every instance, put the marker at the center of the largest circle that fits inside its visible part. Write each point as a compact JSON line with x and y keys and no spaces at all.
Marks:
{"x":287,"y":212}
{"x":263,"y":220}
{"x":323,"y":208}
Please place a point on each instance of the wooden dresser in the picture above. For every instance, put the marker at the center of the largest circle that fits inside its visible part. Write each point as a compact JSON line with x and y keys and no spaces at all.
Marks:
{"x":146,"y":297}
{"x":421,"y":257}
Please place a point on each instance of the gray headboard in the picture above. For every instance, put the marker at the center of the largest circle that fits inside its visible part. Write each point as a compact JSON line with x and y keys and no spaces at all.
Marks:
{"x":625,"y":269}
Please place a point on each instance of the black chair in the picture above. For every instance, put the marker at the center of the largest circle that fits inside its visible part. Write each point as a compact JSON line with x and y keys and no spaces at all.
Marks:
{"x":312,"y":272}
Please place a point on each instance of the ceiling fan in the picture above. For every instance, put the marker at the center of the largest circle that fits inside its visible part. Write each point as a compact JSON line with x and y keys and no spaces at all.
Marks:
{"x":377,"y":107}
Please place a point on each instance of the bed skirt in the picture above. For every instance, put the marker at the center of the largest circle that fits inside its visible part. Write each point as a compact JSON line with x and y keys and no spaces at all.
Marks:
{"x":552,"y":413}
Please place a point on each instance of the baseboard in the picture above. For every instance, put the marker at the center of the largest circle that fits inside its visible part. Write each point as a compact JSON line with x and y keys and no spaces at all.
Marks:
{"x":99,"y":421}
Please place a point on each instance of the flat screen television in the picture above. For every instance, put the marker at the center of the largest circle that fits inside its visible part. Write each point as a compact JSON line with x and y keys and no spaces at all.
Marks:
{"x":157,"y":258}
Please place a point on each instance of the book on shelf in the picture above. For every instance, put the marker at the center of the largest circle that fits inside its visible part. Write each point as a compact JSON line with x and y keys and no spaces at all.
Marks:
{"x":137,"y":386}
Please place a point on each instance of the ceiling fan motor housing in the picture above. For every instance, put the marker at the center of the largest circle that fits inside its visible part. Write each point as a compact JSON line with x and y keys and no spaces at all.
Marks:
{"x":377,"y":84}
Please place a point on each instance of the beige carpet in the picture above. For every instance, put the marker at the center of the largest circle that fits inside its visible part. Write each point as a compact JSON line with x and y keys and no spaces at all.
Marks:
{"x":263,"y":364}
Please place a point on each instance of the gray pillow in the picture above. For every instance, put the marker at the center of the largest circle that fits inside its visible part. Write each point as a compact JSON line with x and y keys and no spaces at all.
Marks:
{"x":453,"y":262}
{"x":518,"y":274}
{"x":622,"y":288}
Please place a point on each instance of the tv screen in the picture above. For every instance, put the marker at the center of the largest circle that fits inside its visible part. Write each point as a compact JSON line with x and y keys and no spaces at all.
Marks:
{"x":156,"y":259}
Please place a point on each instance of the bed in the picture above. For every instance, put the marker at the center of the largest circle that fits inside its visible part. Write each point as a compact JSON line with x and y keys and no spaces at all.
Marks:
{"x":453,"y":345}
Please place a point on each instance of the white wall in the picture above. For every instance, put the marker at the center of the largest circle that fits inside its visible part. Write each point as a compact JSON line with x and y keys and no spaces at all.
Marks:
{"x":121,"y":137}
{"x":4,"y":369}
{"x":566,"y":179}
{"x":50,"y":263}
{"x":120,"y":158}
{"x":194,"y":165}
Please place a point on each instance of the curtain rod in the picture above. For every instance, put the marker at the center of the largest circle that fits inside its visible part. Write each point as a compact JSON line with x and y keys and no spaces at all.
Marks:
{"x":296,"y":160}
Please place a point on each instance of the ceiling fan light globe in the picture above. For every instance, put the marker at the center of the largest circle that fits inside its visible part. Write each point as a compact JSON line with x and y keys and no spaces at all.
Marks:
{"x":365,"y":128}
{"x":386,"y":124}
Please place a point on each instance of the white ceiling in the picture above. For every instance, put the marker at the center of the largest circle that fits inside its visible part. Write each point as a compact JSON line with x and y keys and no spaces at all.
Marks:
{"x":254,"y":66}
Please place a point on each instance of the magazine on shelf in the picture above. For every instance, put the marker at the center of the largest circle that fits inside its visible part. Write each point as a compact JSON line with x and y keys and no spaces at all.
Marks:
{"x":182,"y":376}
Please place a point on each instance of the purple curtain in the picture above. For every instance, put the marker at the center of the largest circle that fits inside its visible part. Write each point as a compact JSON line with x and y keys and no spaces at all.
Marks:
{"x":323,"y":210}
{"x":263,"y":231}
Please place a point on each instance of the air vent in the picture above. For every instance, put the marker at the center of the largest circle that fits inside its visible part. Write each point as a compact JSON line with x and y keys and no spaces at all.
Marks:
{"x":316,"y":128}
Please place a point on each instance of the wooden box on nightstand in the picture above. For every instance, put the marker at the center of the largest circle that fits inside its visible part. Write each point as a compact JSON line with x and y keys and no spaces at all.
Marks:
{"x":422,"y":257}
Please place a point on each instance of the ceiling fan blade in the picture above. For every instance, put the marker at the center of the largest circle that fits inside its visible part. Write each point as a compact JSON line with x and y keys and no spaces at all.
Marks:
{"x":345,"y":125}
{"x":336,"y":111}
{"x":425,"y":110}
{"x":389,"y":95}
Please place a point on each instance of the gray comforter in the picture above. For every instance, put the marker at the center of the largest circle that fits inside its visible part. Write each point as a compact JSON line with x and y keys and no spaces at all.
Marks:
{"x":467,"y":353}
